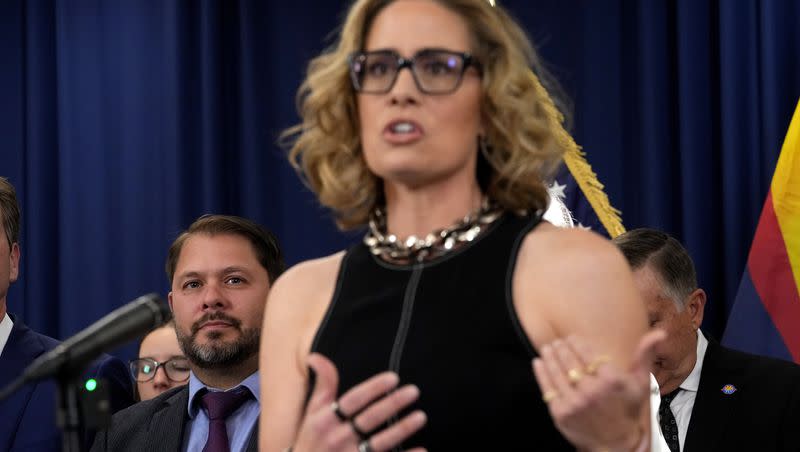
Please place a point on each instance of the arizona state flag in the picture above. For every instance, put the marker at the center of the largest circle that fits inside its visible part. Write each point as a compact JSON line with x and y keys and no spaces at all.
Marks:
{"x":766,"y":313}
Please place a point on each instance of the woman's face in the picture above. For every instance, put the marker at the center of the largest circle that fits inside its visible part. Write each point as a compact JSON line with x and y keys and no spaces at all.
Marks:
{"x":410,"y":137}
{"x":161,"y":345}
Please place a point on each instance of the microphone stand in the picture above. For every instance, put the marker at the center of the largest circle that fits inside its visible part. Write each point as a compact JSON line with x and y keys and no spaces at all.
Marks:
{"x":72,"y":407}
{"x":75,"y":410}
{"x":68,"y":413}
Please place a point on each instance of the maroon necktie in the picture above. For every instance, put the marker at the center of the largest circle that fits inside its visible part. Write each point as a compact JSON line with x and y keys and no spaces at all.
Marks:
{"x":218,"y":406}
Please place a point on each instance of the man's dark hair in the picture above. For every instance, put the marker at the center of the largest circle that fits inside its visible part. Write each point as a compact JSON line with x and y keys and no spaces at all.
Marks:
{"x":264,"y":243}
{"x":9,"y":211}
{"x":665,"y":255}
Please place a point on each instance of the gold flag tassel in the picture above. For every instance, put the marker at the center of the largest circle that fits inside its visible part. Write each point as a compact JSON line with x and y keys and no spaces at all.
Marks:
{"x":580,"y":168}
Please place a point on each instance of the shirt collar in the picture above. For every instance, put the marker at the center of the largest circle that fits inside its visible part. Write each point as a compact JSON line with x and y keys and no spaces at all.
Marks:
{"x":195,"y":386}
{"x":692,"y":382}
{"x":6,"y":324}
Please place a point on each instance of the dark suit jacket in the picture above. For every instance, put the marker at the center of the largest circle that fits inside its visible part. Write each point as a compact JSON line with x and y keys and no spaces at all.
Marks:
{"x":155,"y":424}
{"x":762,"y":415}
{"x":27,"y":417}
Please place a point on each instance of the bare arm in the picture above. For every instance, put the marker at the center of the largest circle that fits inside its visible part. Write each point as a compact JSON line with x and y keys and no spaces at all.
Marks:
{"x":575,"y":297}
{"x":575,"y":282}
{"x":295,"y":307}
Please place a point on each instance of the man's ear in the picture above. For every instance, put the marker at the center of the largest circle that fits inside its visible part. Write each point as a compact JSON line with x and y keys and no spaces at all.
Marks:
{"x":14,"y":257}
{"x":695,"y":305}
{"x":169,"y":299}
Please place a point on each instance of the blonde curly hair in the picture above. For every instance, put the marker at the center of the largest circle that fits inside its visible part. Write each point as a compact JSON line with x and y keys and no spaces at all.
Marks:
{"x":520,"y":148}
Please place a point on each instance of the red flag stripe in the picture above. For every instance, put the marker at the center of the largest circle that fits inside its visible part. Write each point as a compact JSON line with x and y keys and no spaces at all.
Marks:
{"x":772,"y":276}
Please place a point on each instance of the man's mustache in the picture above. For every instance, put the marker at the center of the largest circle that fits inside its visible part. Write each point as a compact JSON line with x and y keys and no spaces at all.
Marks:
{"x":217,"y":316}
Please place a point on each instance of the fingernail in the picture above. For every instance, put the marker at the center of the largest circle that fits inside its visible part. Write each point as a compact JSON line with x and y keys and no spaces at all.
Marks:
{"x":419,"y":417}
{"x":411,"y":391}
{"x":392,"y":378}
{"x":310,"y":363}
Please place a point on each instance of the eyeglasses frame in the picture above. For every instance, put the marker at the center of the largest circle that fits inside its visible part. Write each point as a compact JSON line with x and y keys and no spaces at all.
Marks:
{"x":466,"y":57}
{"x":158,"y":365}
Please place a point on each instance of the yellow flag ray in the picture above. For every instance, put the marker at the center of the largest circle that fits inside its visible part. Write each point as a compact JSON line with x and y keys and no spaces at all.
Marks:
{"x":785,"y":189}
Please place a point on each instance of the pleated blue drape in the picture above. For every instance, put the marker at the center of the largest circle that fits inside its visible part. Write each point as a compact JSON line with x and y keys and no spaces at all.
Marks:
{"x":122,"y":121}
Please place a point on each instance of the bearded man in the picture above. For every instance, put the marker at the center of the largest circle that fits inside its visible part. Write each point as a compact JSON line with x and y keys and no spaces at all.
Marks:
{"x":220,"y":270}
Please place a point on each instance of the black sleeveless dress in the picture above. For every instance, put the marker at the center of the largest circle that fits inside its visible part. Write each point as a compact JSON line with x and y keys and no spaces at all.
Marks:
{"x":447,"y":325}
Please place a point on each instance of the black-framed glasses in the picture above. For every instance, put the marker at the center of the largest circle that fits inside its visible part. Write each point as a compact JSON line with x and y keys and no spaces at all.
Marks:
{"x":144,"y":369}
{"x":435,"y":71}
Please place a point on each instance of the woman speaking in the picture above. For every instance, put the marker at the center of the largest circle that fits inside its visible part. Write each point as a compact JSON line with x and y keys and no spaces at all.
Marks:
{"x":463,"y":321}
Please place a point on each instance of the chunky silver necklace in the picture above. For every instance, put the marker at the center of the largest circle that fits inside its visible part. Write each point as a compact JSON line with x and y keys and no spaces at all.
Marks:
{"x":433,"y":245}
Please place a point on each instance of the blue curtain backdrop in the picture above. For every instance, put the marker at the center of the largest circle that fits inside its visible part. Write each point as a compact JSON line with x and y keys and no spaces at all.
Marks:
{"x":121,"y":122}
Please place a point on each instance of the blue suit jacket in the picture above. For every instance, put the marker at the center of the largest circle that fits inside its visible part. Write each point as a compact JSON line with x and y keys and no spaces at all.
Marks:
{"x":28,"y":421}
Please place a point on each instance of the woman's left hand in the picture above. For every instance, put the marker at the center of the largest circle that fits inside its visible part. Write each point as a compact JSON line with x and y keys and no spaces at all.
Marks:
{"x":339,"y":425}
{"x":595,"y":404}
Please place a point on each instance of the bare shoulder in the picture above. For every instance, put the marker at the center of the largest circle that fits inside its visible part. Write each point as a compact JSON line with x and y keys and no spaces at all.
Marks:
{"x":307,"y":280}
{"x":570,"y":252}
{"x":574,"y":239}
{"x":310,"y":269}
{"x":297,"y":302}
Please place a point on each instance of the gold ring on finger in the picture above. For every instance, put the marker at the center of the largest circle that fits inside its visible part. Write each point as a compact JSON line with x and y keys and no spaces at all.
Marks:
{"x":574,"y":376}
{"x":549,"y":396}
{"x":592,"y":367}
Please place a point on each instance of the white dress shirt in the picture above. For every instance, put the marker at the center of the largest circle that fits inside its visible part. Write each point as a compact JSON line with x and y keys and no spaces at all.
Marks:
{"x":5,"y":331}
{"x":657,"y":441}
{"x":683,"y":403}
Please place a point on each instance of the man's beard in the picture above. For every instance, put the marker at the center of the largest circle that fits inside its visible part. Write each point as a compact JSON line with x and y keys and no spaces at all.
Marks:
{"x":216,"y":355}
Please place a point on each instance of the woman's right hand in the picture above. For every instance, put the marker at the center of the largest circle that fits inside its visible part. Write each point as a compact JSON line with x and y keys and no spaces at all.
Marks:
{"x":332,"y":425}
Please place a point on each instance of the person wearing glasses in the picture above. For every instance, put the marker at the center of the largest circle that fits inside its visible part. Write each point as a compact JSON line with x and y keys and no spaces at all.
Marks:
{"x":220,"y":269}
{"x":426,"y":124}
{"x":159,"y":351}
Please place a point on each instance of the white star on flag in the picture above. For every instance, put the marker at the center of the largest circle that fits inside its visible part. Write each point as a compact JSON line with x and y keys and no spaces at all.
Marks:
{"x":558,"y":190}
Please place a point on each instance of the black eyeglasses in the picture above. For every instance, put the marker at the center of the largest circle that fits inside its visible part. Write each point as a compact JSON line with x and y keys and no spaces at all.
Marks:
{"x":435,"y":71}
{"x":144,"y":369}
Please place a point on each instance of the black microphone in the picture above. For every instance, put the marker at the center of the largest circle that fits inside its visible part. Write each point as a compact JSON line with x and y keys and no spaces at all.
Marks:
{"x":70,"y":357}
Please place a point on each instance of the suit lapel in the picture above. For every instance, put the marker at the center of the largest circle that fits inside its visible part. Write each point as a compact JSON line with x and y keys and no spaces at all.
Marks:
{"x":20,"y":350}
{"x":168,"y":422}
{"x":167,"y":434}
{"x":712,"y":406}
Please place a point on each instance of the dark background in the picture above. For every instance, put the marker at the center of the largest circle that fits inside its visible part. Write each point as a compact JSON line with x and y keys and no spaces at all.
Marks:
{"x":123,"y":121}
